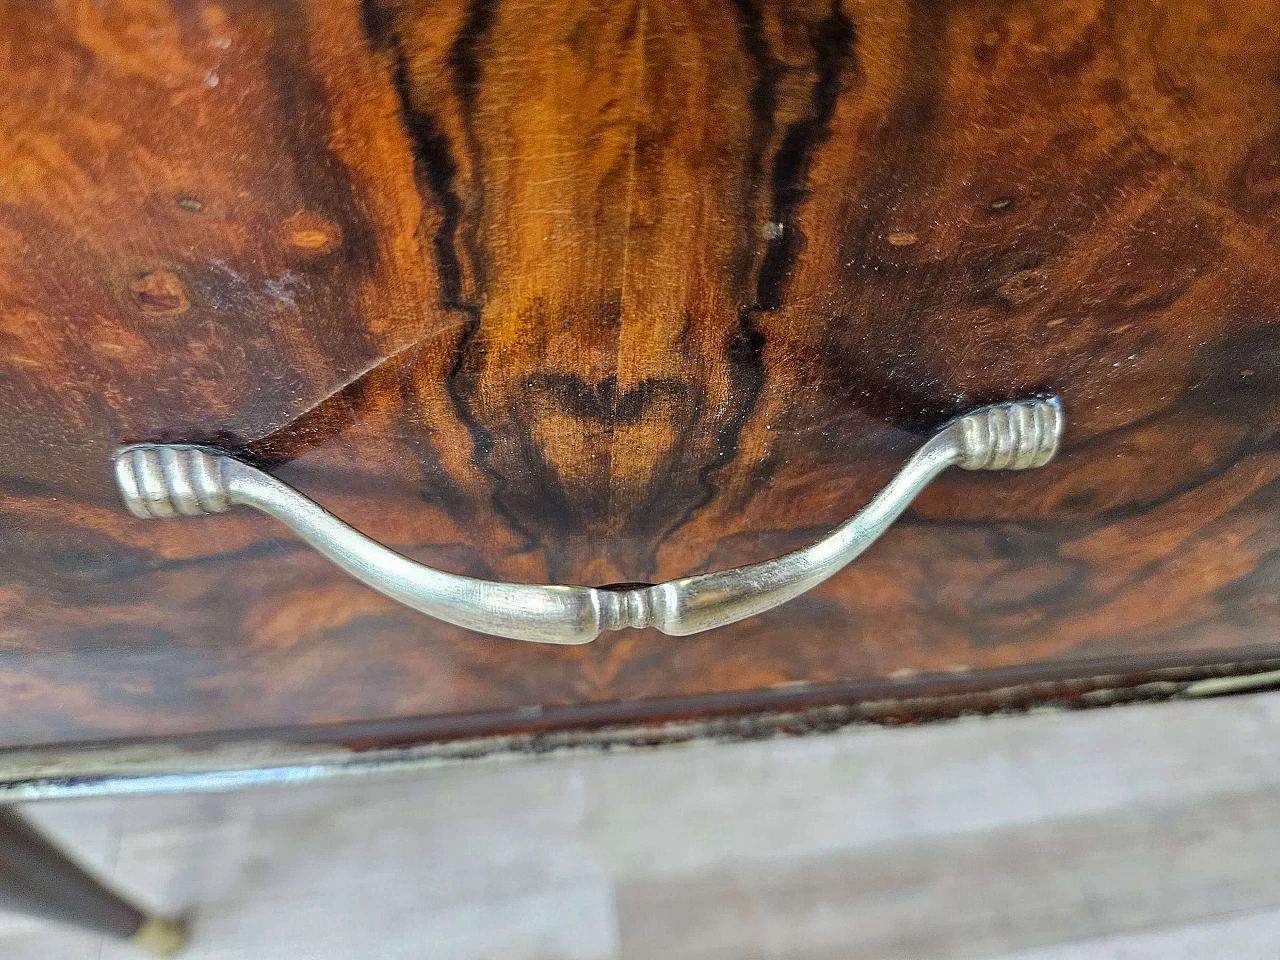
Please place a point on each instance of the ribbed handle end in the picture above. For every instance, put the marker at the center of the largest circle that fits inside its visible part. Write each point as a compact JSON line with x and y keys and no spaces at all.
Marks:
{"x":1011,"y":436}
{"x":158,"y":482}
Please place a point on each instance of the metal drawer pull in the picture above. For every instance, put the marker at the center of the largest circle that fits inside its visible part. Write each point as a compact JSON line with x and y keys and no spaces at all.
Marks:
{"x":161,"y":481}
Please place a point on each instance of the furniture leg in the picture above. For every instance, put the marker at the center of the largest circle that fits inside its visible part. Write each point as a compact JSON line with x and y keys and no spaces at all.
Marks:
{"x":39,"y":879}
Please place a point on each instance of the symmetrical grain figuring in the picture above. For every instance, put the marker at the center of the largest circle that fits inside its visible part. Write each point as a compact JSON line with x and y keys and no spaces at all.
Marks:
{"x":617,"y":291}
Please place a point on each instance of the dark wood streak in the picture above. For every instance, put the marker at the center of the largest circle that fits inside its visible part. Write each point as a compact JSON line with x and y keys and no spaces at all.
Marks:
{"x":465,"y":67}
{"x":833,"y":43}
{"x":436,"y":164}
{"x":763,"y":104}
{"x":434,"y":161}
{"x":602,"y":401}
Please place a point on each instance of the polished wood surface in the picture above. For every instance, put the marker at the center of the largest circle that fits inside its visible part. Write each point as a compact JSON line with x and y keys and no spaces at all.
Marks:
{"x":620,"y":291}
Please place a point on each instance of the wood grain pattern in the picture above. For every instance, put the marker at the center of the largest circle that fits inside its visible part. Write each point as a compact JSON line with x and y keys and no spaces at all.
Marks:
{"x":618,"y":291}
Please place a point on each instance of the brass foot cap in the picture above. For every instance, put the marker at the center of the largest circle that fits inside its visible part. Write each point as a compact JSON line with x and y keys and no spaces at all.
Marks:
{"x":163,"y":938}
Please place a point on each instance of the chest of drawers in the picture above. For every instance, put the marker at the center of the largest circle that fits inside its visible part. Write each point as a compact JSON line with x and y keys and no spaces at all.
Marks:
{"x":601,"y":293}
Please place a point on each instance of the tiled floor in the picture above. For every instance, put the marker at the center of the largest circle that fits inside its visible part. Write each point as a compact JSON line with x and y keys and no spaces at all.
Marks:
{"x":1136,"y":833}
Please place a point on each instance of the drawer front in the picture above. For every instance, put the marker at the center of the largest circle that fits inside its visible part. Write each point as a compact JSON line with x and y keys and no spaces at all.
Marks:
{"x":621,"y":292}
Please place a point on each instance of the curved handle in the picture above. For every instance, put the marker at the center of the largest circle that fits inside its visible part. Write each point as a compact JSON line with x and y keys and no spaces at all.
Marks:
{"x":161,"y":481}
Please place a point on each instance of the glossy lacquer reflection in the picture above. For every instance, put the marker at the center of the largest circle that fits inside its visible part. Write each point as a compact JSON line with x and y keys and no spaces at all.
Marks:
{"x":590,"y":294}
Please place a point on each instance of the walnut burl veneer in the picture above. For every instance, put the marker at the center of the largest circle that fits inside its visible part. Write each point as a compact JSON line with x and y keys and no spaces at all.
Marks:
{"x":616,"y":292}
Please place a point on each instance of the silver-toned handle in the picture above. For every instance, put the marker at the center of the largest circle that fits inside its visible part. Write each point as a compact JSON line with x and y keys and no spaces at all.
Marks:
{"x":162,"y":481}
